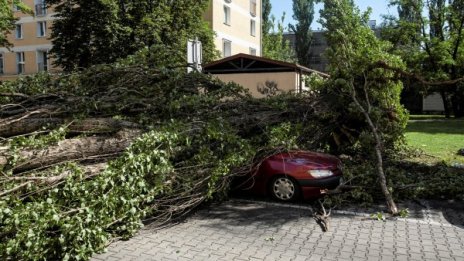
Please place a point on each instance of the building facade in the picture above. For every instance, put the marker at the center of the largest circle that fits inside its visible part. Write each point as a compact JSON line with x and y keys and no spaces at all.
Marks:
{"x":317,"y":59}
{"x":31,"y":44}
{"x":237,"y":24}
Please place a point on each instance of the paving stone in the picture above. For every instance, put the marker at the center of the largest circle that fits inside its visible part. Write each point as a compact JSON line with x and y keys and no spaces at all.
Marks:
{"x":245,"y":230}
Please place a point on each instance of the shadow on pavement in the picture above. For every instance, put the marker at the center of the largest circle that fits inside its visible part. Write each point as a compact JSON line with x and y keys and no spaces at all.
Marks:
{"x":245,"y":213}
{"x":265,"y":213}
{"x":453,"y":211}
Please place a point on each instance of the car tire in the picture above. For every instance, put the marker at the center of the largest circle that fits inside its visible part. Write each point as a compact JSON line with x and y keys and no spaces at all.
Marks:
{"x":284,"y":188}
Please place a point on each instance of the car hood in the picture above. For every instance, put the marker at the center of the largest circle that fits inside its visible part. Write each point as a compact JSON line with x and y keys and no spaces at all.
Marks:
{"x":309,"y":159}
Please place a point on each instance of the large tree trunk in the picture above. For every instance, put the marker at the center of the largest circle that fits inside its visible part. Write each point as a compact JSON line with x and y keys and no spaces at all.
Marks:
{"x":458,"y":104}
{"x":446,"y":104}
{"x":73,"y":149}
{"x":93,"y":125}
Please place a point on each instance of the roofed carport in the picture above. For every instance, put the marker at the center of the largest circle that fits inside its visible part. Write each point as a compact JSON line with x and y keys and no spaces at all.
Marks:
{"x":255,"y":73}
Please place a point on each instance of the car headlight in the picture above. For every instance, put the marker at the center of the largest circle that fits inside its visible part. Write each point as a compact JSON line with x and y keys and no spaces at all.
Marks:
{"x":320,"y":173}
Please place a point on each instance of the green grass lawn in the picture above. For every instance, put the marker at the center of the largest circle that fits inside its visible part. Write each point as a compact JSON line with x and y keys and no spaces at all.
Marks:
{"x":440,"y":137}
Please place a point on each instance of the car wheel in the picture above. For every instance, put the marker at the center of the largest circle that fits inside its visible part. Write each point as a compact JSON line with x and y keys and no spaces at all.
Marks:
{"x":284,"y":188}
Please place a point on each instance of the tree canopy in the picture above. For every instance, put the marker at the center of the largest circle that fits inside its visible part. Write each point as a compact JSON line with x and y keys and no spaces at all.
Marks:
{"x":303,"y":13}
{"x":275,"y":46}
{"x":364,"y":94}
{"x":266,"y":18}
{"x":429,"y":36}
{"x":103,"y":31}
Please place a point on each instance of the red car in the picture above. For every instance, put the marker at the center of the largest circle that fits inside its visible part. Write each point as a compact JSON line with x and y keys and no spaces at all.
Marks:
{"x":288,"y":176}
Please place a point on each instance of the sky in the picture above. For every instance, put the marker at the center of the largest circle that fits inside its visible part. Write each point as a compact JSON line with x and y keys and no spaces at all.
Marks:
{"x":379,"y":8}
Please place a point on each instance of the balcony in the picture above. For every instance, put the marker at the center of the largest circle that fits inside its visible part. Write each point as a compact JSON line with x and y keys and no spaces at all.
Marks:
{"x":40,"y":9}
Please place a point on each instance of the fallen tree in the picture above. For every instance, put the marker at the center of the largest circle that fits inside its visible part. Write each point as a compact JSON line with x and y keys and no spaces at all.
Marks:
{"x":92,"y":158}
{"x":92,"y":126}
{"x":71,"y":150}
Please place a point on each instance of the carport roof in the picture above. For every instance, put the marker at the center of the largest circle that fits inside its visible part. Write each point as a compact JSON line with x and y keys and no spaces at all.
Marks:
{"x":245,"y":63}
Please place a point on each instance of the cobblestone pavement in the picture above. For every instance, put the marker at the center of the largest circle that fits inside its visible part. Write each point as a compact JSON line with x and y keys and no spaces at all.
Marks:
{"x":250,"y":230}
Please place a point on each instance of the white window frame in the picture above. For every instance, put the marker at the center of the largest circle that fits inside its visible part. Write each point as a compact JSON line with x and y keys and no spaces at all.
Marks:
{"x":227,"y":15}
{"x":42,"y":29}
{"x":253,"y":8}
{"x":252,"y":27}
{"x":19,"y":33}
{"x":40,"y":54}
{"x":20,"y":63}
{"x":226,"y":43}
{"x":253,"y":51}
{"x":2,"y":63}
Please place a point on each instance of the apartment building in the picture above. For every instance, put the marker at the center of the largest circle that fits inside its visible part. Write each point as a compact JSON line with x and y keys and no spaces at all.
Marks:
{"x":237,"y":24}
{"x":29,"y":53}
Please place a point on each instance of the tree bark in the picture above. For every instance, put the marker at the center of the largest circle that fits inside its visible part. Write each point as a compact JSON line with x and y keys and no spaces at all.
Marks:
{"x":93,"y":125}
{"x":446,"y":104}
{"x":458,"y":103}
{"x":73,"y":149}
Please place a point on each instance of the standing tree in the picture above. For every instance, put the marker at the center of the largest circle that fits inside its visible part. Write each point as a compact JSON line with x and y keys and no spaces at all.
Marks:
{"x":266,"y":18}
{"x":363,"y":91}
{"x":275,"y":46}
{"x":303,"y":13}
{"x":434,"y":46}
{"x":103,"y":31}
{"x":86,"y":33}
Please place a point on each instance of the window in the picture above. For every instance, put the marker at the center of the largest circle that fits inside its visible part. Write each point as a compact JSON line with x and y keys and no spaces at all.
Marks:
{"x":252,"y":27}
{"x":226,"y":15}
{"x":226,"y":48}
{"x":253,"y":7}
{"x":40,"y":7}
{"x":20,"y":62}
{"x":19,"y":31}
{"x":42,"y":61}
{"x":1,"y":64}
{"x":41,"y":29}
{"x":252,"y":51}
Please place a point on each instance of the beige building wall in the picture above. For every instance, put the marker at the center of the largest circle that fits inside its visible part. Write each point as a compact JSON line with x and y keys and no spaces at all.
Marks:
{"x":285,"y":81}
{"x":30,"y":43}
{"x":237,"y":29}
